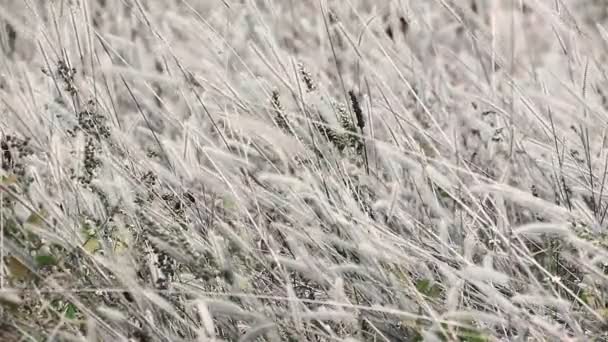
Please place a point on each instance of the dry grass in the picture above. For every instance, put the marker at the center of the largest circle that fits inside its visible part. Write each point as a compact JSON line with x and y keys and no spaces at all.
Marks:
{"x":303,"y":170}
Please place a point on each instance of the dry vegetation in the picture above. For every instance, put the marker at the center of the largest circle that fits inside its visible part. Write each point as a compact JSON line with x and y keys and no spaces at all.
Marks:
{"x":282,"y":170}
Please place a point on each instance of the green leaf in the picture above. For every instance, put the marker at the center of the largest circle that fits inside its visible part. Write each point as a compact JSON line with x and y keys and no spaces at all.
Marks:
{"x":464,"y":334}
{"x":9,"y":179}
{"x":45,"y":260}
{"x":584,"y":296}
{"x":120,"y":247}
{"x":37,"y":218}
{"x":92,"y":245}
{"x":603,"y":313}
{"x":442,"y":193}
{"x":18,"y":270}
{"x":472,"y":336}
{"x":427,"y":288}
{"x":70,"y":311}
{"x":228,"y":203}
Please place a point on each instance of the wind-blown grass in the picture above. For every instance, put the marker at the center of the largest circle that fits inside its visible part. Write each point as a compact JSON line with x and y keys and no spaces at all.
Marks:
{"x":303,"y":171}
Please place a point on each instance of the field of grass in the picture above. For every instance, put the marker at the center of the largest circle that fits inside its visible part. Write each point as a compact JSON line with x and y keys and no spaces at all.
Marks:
{"x":315,"y":170}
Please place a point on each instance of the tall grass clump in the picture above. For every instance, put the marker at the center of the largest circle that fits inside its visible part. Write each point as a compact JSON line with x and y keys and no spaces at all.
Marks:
{"x":325,"y":170}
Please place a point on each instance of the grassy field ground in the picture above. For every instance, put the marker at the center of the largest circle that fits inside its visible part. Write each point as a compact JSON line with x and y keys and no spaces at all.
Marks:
{"x":320,"y":170}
